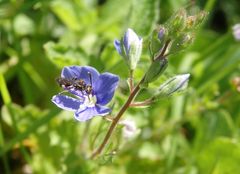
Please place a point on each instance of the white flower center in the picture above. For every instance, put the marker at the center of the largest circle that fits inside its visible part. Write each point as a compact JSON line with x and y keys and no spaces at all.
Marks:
{"x":89,"y":101}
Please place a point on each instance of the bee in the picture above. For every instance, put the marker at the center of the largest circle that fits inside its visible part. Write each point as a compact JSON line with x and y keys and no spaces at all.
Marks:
{"x":88,"y":89}
{"x":65,"y":83}
{"x":77,"y":84}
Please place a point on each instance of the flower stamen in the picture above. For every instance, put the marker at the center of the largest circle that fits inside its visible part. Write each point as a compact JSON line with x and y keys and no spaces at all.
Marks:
{"x":90,"y":101}
{"x":90,"y":77}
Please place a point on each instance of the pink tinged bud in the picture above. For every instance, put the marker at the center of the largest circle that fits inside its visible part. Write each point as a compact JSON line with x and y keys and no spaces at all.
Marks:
{"x":236,"y":32}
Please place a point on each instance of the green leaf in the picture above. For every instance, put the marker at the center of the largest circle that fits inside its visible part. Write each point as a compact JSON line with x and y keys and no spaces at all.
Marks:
{"x":220,"y":157}
{"x":217,"y":123}
{"x":144,"y":16}
{"x":66,"y":12}
{"x":228,"y":64}
{"x":62,"y":55}
{"x":111,"y":14}
{"x":45,"y":117}
{"x":4,"y":90}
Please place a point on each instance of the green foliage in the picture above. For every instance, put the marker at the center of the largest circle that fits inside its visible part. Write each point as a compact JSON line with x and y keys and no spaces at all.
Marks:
{"x":189,"y":134}
{"x":63,"y":56}
{"x":148,"y":12}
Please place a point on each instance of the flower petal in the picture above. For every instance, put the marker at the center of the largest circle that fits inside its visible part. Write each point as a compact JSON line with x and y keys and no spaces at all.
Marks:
{"x":107,"y":84}
{"x":126,"y":42}
{"x":102,"y":110}
{"x":88,"y":113}
{"x":66,"y":102}
{"x":70,"y":72}
{"x":85,"y":114}
{"x":117,"y":45}
{"x":78,"y":93}
{"x":81,"y":72}
{"x":130,"y":37}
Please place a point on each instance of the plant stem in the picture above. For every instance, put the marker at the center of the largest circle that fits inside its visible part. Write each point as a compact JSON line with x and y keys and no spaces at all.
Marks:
{"x":4,"y":157}
{"x":162,"y":54}
{"x":6,"y":99}
{"x":116,"y":119}
{"x":131,"y":80}
{"x":133,"y":93}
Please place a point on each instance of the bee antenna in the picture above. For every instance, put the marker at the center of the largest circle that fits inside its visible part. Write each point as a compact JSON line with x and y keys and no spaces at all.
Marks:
{"x":90,"y":77}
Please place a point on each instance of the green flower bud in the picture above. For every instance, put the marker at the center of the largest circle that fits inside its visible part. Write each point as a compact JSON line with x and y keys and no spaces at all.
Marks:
{"x":177,"y":22}
{"x":157,"y":40}
{"x":200,"y":17}
{"x":190,"y":22}
{"x":181,"y":42}
{"x":173,"y":85}
{"x":193,"y":22}
{"x":155,"y":70}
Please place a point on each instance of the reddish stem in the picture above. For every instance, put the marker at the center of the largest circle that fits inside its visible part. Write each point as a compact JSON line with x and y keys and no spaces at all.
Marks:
{"x":116,"y":119}
{"x":133,"y":93}
{"x":162,"y":54}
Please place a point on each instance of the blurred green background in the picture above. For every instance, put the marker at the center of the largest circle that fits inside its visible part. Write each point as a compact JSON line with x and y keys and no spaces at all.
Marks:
{"x":193,"y":133}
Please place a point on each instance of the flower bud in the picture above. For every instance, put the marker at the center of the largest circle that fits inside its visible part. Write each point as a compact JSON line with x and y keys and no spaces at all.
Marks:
{"x":155,"y":70}
{"x":190,"y":22}
{"x":130,"y":129}
{"x":162,"y":33}
{"x":193,"y":22}
{"x":175,"y":84}
{"x":130,"y":48}
{"x":177,"y":22}
{"x":200,"y":17}
{"x":181,"y":42}
{"x":157,"y":40}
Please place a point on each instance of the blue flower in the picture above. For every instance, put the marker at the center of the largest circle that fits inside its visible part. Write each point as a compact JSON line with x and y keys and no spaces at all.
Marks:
{"x":90,"y":100}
